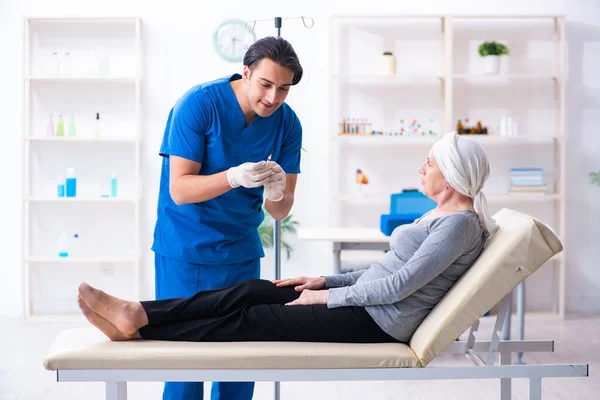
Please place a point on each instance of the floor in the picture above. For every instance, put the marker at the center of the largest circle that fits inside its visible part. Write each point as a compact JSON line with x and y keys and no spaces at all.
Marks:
{"x":577,"y":340}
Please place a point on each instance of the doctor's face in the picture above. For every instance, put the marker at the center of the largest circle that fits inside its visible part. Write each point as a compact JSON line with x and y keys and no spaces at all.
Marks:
{"x":267,"y":86}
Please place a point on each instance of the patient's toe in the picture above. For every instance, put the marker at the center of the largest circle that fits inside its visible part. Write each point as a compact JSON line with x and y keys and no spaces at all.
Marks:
{"x":90,"y":295}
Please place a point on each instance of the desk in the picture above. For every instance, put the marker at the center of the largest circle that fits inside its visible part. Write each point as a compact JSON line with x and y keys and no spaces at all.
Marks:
{"x":347,"y":239}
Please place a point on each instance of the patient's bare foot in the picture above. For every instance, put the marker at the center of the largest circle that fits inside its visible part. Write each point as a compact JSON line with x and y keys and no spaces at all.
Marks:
{"x":106,"y":327}
{"x":126,"y":316}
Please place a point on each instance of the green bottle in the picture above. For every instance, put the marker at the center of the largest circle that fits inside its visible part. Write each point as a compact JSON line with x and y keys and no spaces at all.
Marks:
{"x":60,"y":126}
{"x":71,"y":126}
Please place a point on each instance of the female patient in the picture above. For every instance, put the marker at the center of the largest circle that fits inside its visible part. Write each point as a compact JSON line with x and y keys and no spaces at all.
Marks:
{"x":384,"y":303}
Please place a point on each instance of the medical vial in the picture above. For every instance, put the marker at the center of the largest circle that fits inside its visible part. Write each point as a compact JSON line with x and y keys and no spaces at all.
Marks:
{"x":71,"y":183}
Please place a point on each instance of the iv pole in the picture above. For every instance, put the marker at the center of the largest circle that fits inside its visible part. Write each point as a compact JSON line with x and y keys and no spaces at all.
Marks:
{"x":308,"y":23}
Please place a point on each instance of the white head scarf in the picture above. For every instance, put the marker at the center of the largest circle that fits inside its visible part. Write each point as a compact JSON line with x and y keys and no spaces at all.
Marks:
{"x":465,"y":166}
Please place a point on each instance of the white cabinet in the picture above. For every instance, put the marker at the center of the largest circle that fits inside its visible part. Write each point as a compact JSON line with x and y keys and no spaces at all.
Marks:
{"x":439,"y":79}
{"x":81,"y":69}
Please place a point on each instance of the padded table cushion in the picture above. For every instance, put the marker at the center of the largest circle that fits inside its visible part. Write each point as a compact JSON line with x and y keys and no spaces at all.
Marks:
{"x":521,"y":245}
{"x":88,"y":348}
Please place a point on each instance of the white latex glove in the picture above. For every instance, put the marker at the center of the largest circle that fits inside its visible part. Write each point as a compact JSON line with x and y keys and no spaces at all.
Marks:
{"x":249,"y":175}
{"x":276,"y":183}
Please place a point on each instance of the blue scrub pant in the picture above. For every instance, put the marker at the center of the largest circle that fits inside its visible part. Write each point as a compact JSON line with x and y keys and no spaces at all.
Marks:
{"x":176,"y":279}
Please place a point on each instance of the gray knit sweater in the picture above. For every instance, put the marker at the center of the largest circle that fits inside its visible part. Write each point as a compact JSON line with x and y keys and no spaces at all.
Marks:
{"x":424,"y":261}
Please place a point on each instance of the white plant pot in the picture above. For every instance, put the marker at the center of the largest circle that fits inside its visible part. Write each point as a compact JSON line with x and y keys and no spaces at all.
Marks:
{"x":491,"y":65}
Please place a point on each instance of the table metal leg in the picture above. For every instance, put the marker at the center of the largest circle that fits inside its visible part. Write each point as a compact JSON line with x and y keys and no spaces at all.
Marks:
{"x":505,"y":383}
{"x":506,"y":328}
{"x":520,"y":318}
{"x":337,"y":258}
{"x":116,"y":390}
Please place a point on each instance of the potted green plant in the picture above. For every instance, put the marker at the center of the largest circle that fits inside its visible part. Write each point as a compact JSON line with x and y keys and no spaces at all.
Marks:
{"x":265,"y":231}
{"x":491,"y":52}
{"x":595,"y":178}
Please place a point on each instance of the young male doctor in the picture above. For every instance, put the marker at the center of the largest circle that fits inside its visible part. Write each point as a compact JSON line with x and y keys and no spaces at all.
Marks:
{"x":215,"y":177}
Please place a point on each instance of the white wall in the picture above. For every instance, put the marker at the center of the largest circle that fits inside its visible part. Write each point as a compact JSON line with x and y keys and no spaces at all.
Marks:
{"x":178,"y":54}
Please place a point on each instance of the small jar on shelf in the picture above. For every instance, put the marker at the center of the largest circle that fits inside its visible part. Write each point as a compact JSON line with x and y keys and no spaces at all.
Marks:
{"x":387,"y":64}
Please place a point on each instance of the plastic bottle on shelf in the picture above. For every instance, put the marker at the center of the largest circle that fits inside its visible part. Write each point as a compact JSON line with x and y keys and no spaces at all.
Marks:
{"x":503,"y":126}
{"x":63,"y":245}
{"x":113,"y":185}
{"x":50,"y":126}
{"x":60,"y":126}
{"x":60,"y":187}
{"x":71,"y":182}
{"x":71,"y":126}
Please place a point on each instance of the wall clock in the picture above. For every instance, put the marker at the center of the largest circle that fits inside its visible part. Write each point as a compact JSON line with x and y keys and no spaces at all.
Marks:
{"x":231,"y":40}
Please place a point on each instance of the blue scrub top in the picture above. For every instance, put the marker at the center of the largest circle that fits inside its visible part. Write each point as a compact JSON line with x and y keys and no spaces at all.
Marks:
{"x":207,"y":125}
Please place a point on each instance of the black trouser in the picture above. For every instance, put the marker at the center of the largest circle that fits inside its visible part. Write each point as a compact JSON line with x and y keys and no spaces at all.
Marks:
{"x":255,"y":310}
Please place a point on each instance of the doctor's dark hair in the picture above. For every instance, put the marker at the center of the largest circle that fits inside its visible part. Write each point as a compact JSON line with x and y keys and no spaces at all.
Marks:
{"x":276,"y":49}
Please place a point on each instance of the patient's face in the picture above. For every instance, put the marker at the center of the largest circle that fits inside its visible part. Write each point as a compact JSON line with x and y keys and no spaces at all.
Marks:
{"x":432,"y":180}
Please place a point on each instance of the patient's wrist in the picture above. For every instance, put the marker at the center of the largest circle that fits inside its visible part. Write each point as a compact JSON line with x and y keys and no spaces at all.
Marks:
{"x":323,"y":282}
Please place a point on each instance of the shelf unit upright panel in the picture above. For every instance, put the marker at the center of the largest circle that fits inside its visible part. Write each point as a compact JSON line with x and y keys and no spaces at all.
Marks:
{"x":550,"y":141}
{"x":356,"y":84}
{"x":531,"y":87}
{"x":103,"y":75}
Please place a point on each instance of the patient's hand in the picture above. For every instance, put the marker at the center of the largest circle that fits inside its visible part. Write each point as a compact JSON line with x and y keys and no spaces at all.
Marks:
{"x":302,"y":283}
{"x":309,"y":297}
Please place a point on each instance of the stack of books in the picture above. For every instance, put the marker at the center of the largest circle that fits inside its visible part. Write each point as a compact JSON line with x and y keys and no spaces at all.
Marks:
{"x":527,"y":181}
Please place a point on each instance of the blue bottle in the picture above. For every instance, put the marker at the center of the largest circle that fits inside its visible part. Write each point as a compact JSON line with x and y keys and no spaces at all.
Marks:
{"x":113,"y":186}
{"x":71,"y":183}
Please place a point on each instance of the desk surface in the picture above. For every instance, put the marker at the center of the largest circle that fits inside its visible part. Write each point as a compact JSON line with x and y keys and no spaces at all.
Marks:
{"x":340,"y":235}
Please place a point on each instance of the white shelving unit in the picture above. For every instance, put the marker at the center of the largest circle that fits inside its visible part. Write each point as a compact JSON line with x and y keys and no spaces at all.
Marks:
{"x":102,"y":74}
{"x":440,"y":77}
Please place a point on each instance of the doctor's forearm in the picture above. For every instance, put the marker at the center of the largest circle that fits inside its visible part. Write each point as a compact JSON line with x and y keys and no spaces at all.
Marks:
{"x":280,"y":209}
{"x":198,"y":188}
